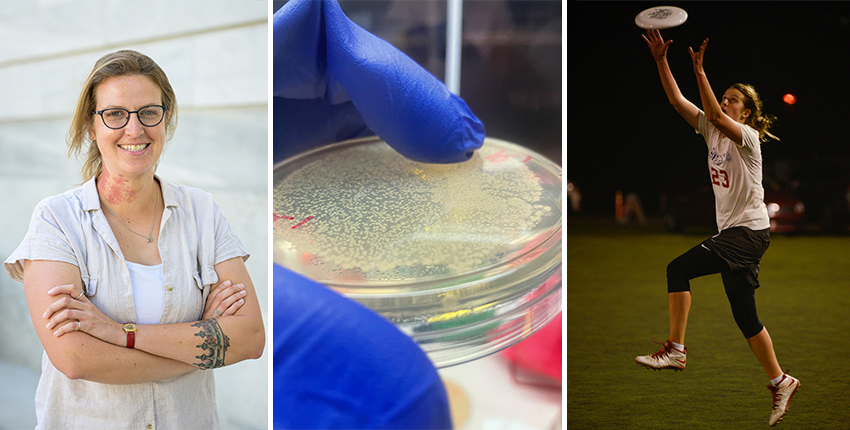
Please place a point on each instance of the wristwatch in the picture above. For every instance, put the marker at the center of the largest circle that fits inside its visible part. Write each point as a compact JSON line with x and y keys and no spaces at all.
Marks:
{"x":130,"y":329}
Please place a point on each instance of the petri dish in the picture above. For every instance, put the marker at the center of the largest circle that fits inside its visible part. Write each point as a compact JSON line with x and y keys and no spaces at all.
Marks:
{"x":464,"y":258}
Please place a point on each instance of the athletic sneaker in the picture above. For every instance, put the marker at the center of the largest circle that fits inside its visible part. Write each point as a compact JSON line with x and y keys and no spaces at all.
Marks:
{"x":667,"y":357}
{"x":782,"y":393}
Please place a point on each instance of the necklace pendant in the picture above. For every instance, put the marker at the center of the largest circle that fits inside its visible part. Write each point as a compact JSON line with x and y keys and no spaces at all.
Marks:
{"x":149,"y":239}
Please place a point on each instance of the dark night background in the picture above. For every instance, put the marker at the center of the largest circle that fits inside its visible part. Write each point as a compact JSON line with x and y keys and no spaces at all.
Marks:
{"x":622,"y":134}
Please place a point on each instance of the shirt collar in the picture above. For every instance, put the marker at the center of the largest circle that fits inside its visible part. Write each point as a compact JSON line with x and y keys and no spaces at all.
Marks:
{"x":91,"y":200}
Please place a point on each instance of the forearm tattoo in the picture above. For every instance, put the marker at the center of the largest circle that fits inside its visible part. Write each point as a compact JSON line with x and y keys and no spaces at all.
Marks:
{"x":214,"y":345}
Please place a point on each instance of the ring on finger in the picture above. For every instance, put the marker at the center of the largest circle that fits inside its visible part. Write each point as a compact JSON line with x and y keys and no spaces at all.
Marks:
{"x":81,"y":294}
{"x":79,"y":326}
{"x":218,"y":312}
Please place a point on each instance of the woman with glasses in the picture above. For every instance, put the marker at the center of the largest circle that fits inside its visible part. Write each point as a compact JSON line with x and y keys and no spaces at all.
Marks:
{"x":136,"y":286}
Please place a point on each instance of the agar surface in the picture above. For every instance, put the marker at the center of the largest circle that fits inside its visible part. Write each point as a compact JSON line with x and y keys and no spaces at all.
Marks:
{"x":374,"y":215}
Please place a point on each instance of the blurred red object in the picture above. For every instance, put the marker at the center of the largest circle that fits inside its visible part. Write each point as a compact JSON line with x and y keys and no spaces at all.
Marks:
{"x":789,"y":99}
{"x":537,"y":359}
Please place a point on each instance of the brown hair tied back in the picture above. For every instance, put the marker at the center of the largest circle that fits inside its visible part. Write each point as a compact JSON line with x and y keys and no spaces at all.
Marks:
{"x":757,"y":119}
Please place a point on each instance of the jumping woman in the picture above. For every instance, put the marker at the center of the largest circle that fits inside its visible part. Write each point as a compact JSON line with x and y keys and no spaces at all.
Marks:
{"x":733,"y":130}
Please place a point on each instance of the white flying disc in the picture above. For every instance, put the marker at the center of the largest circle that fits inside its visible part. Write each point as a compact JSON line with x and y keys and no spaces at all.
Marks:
{"x":660,"y":17}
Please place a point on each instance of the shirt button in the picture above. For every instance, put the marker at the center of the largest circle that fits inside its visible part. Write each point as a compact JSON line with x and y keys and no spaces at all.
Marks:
{"x":150,"y":426}
{"x":169,"y":288}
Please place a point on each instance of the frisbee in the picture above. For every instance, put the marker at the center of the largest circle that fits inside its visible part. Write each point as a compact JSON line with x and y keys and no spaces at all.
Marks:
{"x":661,"y":17}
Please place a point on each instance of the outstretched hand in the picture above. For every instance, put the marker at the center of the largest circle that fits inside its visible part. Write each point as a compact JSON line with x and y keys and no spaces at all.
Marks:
{"x":697,"y":57}
{"x":656,"y":44}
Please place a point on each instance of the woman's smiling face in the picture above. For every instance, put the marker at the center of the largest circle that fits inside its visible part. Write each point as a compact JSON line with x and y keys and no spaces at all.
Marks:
{"x":132,"y":151}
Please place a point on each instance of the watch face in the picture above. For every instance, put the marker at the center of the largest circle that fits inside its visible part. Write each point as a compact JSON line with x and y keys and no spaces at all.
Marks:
{"x":129,"y":327}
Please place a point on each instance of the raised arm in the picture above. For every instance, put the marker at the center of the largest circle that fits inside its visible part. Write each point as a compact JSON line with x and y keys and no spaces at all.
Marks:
{"x":658,"y":47}
{"x":728,"y":126}
{"x":77,"y":354}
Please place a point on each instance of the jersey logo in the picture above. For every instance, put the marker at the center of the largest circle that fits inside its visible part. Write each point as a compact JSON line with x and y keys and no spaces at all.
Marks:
{"x":718,"y":158}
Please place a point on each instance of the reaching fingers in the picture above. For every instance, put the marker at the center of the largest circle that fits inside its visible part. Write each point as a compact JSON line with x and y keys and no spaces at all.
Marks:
{"x":653,"y":36}
{"x":701,"y":51}
{"x":656,"y":44}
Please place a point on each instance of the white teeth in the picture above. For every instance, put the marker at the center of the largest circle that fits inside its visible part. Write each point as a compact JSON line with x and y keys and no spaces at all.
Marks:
{"x":134,"y":148}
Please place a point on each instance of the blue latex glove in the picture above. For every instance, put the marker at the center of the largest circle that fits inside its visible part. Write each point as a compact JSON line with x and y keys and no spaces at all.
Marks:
{"x":334,"y":81}
{"x":340,"y":365}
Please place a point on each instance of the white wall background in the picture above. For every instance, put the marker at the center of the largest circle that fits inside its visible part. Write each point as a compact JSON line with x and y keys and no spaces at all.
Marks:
{"x":215,"y":55}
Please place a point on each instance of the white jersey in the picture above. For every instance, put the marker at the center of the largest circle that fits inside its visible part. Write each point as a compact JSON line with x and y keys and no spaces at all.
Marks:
{"x":736,"y":177}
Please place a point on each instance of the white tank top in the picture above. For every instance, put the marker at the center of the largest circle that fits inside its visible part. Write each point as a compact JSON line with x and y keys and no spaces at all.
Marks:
{"x":148,"y":293}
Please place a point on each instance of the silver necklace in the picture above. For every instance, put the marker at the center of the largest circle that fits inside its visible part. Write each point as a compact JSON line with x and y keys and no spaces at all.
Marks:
{"x":149,"y":237}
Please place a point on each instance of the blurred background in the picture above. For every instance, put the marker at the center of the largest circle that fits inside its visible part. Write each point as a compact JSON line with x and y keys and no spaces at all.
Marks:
{"x":511,"y":74}
{"x":625,"y":136}
{"x":216,"y":56}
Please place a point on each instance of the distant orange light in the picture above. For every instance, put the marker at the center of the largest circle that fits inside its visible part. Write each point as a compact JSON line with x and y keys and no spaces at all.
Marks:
{"x":789,"y":99}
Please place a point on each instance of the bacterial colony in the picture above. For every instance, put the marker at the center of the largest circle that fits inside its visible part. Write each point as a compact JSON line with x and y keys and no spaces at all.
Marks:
{"x":365,"y":213}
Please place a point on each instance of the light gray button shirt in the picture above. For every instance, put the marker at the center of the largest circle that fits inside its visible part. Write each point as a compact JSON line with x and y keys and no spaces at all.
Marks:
{"x":194,"y":237}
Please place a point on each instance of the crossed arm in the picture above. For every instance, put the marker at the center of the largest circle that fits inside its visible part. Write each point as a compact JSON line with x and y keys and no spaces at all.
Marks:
{"x":95,"y":348}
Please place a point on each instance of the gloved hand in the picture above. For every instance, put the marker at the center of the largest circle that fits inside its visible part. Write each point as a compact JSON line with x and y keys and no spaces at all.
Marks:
{"x":334,"y":81}
{"x":338,"y":364}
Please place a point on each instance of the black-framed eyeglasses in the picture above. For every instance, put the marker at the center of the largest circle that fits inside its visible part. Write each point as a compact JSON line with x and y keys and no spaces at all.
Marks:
{"x":117,"y":118}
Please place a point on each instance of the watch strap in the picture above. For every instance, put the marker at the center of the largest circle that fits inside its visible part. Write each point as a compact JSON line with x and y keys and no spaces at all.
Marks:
{"x":130,"y":329}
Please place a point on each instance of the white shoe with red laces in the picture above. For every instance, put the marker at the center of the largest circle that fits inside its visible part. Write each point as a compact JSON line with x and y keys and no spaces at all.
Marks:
{"x":782,"y":393}
{"x":667,"y":357}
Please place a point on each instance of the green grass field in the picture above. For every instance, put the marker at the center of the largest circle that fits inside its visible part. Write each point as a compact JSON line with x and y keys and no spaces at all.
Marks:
{"x":617,"y":301}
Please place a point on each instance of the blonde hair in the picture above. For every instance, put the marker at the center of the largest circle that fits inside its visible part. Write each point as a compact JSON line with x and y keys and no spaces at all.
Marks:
{"x":119,"y":63}
{"x":757,"y":119}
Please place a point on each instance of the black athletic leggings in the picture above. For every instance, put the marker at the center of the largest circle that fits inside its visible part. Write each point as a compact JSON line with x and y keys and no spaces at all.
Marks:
{"x":699,"y":261}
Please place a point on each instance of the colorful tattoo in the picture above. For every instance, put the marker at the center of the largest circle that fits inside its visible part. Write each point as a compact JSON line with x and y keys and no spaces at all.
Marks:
{"x":215,"y":344}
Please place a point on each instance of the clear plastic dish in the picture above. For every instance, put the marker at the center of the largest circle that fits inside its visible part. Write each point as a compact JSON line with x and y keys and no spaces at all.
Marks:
{"x":465,"y":258}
